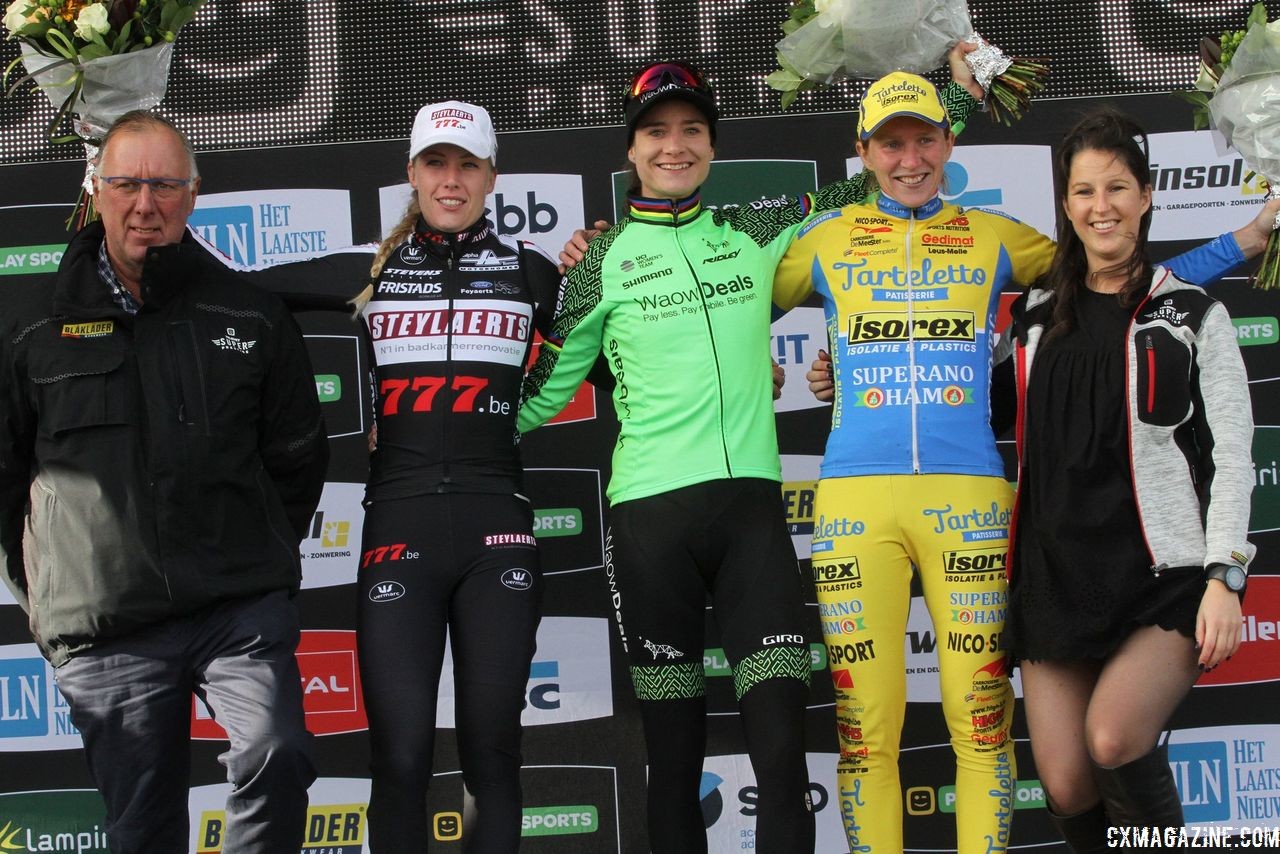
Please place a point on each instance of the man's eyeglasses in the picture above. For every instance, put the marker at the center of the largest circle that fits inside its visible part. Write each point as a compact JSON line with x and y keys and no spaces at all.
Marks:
{"x":161,"y":188}
{"x":665,"y":73}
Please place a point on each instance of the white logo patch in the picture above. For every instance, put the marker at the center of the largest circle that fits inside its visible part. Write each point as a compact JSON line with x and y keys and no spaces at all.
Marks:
{"x":517,"y":579}
{"x":231,"y":342}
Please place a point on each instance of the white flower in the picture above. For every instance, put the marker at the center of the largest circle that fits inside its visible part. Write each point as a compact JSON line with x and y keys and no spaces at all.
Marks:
{"x":1207,"y":81}
{"x":821,"y":6}
{"x":92,"y":21}
{"x":15,"y":16}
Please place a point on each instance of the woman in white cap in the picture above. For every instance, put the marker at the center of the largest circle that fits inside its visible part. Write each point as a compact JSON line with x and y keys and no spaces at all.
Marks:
{"x":448,"y":537}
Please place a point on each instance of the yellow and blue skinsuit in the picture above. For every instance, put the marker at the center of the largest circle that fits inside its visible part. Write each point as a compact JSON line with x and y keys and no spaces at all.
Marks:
{"x":911,"y":477}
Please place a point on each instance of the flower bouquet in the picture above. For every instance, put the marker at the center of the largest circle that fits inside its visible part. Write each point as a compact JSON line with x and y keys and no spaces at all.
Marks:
{"x":1239,"y":90}
{"x":830,"y":40}
{"x":95,"y":60}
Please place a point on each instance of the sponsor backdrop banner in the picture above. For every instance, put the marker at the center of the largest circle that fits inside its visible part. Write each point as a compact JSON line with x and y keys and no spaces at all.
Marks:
{"x":584,"y":764}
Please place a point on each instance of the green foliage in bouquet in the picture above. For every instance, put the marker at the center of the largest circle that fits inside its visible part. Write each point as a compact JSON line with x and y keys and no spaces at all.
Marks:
{"x":1216,"y":54}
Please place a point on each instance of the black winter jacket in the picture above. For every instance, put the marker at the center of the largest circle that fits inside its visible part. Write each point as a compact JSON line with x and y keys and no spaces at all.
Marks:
{"x":151,"y":465}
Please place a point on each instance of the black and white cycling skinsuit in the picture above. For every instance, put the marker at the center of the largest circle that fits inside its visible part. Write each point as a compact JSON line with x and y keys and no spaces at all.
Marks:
{"x":448,"y":538}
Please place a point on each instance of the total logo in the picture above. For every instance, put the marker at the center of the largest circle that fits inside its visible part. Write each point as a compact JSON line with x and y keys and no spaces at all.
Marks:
{"x":331,"y":691}
{"x":730,"y":798}
{"x":33,"y":713}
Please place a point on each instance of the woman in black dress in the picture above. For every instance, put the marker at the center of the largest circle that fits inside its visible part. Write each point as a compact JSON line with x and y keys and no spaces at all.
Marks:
{"x":1133,"y":504}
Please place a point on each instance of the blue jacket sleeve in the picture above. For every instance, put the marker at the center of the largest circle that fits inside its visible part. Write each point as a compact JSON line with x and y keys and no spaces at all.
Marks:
{"x":1208,"y":261}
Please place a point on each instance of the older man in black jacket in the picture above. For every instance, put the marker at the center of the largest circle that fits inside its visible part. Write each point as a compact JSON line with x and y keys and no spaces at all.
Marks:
{"x":161,"y":452}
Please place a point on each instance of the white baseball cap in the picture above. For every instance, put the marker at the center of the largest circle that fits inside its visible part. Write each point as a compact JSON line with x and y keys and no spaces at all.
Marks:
{"x":464,"y":125}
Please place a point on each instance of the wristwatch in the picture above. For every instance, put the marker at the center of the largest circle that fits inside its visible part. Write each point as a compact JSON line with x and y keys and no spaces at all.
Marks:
{"x":1228,"y":573}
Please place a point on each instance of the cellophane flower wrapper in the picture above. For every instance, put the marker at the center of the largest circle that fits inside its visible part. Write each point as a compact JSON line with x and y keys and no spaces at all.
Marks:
{"x":110,"y":87}
{"x":1245,"y":109}
{"x":870,"y":38}
{"x":113,"y":85}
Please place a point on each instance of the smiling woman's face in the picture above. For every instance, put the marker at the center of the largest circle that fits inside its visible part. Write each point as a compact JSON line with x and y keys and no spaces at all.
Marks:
{"x":451,"y":184}
{"x":672,"y":150}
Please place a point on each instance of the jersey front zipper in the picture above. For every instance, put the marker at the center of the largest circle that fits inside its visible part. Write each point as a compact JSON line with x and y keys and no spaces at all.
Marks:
{"x":446,"y":416}
{"x":911,"y":349}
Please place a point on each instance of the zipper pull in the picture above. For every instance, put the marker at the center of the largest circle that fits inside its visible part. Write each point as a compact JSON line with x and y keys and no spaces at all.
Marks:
{"x":1159,"y":568}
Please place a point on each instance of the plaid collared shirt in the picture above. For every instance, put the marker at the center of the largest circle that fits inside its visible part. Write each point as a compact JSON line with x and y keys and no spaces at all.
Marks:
{"x":107,"y":273}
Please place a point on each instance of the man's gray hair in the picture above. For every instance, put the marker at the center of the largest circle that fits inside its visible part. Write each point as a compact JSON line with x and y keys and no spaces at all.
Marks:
{"x":138,"y":121}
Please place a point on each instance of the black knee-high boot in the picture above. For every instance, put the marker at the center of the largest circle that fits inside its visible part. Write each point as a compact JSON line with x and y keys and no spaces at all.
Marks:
{"x":1085,"y":832}
{"x":1141,"y":793}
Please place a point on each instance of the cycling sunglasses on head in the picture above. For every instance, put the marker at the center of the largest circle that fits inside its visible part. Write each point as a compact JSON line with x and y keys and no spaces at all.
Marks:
{"x":663,"y":74}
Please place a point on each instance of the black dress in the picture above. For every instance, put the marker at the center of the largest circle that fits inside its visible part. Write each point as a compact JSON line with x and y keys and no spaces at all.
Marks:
{"x":1082,"y":579}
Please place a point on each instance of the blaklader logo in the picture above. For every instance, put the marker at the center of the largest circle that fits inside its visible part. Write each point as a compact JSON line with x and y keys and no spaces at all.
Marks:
{"x":335,"y":822}
{"x":70,"y":820}
{"x":331,"y":693}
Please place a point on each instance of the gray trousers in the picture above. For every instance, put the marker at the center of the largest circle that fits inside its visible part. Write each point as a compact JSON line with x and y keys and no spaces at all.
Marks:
{"x":131,"y":700}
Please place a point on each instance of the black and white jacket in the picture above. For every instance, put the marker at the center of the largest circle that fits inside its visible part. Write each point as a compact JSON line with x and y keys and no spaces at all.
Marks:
{"x":1190,"y":422}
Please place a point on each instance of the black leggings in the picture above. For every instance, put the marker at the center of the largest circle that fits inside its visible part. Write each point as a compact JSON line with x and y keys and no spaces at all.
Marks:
{"x":467,"y":563}
{"x":668,"y":553}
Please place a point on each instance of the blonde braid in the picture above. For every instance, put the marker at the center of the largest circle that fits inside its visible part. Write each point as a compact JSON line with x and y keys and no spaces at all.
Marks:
{"x":402,"y":230}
